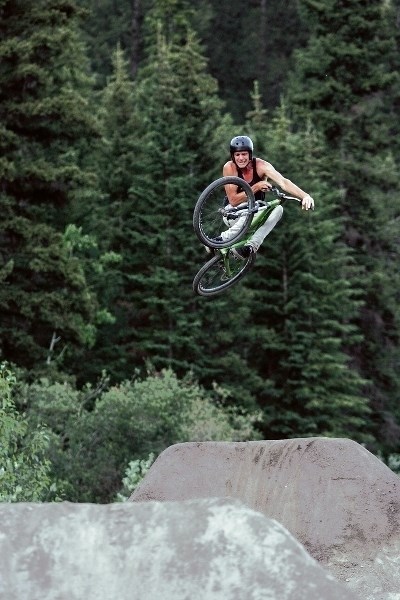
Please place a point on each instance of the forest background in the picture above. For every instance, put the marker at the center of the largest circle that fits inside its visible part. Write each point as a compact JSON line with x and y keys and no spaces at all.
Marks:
{"x":114,"y":117}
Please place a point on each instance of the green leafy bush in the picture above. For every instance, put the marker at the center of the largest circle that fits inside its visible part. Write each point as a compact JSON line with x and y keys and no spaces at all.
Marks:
{"x":134,"y":474}
{"x":97,"y":433}
{"x":24,"y":467}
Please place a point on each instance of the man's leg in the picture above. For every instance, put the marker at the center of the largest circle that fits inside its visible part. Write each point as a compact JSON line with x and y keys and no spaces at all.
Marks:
{"x":261,"y":233}
{"x":232,"y":231}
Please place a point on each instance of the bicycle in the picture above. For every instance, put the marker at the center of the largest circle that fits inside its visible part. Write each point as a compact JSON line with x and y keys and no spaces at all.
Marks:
{"x":212,"y":214}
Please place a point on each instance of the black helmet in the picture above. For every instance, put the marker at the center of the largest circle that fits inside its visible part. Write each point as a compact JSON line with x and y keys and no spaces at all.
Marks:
{"x":239,"y":143}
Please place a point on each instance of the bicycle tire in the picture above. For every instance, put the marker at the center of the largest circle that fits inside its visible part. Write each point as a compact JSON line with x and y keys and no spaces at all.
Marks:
{"x":208,"y":221}
{"x":213,"y":279}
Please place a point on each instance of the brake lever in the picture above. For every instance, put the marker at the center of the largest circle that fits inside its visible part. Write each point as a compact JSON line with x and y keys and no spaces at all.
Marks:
{"x":282,"y":196}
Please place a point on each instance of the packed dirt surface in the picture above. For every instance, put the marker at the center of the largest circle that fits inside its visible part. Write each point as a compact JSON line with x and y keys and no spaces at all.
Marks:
{"x":336,"y":498}
{"x":209,"y":549}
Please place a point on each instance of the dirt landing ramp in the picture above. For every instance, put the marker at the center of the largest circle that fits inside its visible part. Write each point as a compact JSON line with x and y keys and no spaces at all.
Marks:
{"x":213,"y":549}
{"x":335,"y":497}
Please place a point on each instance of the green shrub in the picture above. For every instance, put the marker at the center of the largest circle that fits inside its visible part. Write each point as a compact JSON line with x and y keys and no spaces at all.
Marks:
{"x":24,"y":466}
{"x":97,"y":434}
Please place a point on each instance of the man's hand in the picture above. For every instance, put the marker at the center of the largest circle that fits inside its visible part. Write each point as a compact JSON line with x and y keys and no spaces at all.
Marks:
{"x":307,"y":203}
{"x":261,"y":186}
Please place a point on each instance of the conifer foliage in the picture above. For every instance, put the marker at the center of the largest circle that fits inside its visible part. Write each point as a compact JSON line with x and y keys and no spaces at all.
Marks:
{"x":155,"y":170}
{"x":306,"y":288}
{"x":345,"y":79}
{"x":44,"y":117}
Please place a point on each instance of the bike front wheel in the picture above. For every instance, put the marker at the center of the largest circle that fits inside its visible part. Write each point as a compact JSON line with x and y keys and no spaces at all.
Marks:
{"x":208,"y":217}
{"x":220,"y":273}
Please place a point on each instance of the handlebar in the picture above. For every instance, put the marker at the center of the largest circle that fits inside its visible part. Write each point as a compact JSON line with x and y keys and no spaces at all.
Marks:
{"x":234,"y":212}
{"x":282,"y":196}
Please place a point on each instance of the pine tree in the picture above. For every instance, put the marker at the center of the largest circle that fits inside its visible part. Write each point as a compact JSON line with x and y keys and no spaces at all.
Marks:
{"x":115,"y":157}
{"x":172,"y":89}
{"x":241,"y":45}
{"x":252,"y":44}
{"x":305,"y":296}
{"x":107,"y":25}
{"x":45,"y":119}
{"x":345,"y":79}
{"x":167,"y":165}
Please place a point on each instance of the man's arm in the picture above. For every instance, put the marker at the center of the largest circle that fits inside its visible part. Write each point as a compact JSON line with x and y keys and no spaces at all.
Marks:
{"x":288,"y":186}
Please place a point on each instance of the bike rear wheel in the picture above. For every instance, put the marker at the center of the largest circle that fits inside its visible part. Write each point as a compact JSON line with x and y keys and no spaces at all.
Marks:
{"x":208,"y":220}
{"x":220,"y":273}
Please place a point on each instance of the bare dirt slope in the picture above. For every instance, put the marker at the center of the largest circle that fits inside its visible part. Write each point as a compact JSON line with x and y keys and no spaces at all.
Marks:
{"x":336,"y":498}
{"x":209,"y":549}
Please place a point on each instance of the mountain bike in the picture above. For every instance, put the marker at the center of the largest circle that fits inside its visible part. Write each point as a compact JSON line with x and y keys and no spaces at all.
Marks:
{"x":212,"y":215}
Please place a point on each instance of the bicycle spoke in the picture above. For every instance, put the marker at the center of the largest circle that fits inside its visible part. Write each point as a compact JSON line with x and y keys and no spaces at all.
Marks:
{"x":210,"y":209}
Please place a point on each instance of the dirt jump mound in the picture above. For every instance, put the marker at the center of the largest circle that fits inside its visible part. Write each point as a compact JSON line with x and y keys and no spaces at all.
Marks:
{"x":336,"y":498}
{"x":208,"y":549}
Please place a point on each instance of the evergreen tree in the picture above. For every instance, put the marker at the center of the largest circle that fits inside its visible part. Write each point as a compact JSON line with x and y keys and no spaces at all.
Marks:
{"x":241,"y":45}
{"x":115,"y":157}
{"x":126,"y":24}
{"x":252,"y":44}
{"x":305,"y":296}
{"x":107,"y":25}
{"x":166,"y":165}
{"x":45,"y":118}
{"x":345,"y":78}
{"x":169,"y":326}
{"x":152,"y":169}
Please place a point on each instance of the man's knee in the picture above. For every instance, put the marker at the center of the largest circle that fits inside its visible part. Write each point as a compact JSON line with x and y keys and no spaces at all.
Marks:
{"x":276,"y":214}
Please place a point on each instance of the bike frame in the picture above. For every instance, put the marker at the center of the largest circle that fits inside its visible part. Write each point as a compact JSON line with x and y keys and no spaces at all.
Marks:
{"x":261,"y":214}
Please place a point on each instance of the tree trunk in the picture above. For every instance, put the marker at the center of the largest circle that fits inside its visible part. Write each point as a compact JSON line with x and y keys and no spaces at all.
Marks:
{"x":135,"y":36}
{"x":263,"y":42}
